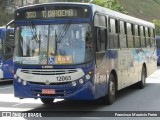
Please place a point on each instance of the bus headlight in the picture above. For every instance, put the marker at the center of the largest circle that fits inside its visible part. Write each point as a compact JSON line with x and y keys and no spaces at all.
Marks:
{"x":74,"y":83}
{"x":88,"y":76}
{"x":81,"y":81}
{"x":15,"y":76}
{"x":24,"y":83}
{"x":19,"y":80}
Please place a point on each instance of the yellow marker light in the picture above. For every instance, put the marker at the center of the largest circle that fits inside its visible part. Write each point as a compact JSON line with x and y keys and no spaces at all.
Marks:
{"x":13,"y":72}
{"x":90,"y":72}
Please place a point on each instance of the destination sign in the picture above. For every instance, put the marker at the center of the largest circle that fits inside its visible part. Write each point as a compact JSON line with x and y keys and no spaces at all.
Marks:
{"x":52,"y":12}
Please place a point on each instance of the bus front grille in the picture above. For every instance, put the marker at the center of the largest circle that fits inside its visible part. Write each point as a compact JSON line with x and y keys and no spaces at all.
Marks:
{"x":48,"y":71}
{"x":40,"y":83}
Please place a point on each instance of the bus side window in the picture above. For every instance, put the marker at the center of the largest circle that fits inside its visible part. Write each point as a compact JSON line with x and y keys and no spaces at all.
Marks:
{"x":152,"y":37}
{"x":136,"y":36}
{"x":147,"y":37}
{"x":101,"y":28}
{"x":130,"y":35}
{"x":142,"y":34}
{"x":113,"y":30}
{"x":122,"y":35}
{"x":9,"y":43}
{"x":101,"y":38}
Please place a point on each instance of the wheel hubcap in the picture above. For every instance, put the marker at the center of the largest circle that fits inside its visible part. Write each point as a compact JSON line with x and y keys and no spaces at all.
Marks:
{"x":112,"y":88}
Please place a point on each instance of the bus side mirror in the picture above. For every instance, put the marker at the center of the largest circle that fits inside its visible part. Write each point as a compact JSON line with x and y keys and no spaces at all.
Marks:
{"x":8,"y":24}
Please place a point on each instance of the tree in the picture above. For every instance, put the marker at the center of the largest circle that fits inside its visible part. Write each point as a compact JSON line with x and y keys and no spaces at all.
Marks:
{"x":5,"y":17}
{"x":111,"y":4}
{"x":157,"y":24}
{"x":5,"y":4}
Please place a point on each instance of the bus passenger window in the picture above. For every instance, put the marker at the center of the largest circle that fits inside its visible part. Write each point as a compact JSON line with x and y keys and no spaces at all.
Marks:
{"x":113,"y":28}
{"x":136,"y":36}
{"x":101,"y":38}
{"x":122,"y":28}
{"x":130,"y":35}
{"x":147,"y":37}
{"x":152,"y":37}
{"x":142,"y":35}
{"x":112,"y":25}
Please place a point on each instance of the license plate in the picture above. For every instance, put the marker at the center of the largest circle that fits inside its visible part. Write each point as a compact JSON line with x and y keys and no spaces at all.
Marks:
{"x":48,"y":91}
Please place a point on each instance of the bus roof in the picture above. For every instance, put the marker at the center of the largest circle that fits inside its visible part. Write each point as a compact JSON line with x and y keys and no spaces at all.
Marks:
{"x":122,"y":16}
{"x":99,"y":9}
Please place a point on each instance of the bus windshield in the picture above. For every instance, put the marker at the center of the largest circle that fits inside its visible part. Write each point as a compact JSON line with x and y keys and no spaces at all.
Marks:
{"x":53,"y":44}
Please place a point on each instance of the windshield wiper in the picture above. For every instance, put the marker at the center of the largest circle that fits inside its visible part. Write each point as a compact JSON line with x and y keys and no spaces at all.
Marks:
{"x":55,"y":42}
{"x":33,"y":30}
{"x":63,"y":31}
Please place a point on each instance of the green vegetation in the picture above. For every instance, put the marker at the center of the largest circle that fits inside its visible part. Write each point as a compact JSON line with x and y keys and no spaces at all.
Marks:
{"x":144,"y":9}
{"x":5,"y":17}
{"x":111,"y":4}
{"x":157,"y":24}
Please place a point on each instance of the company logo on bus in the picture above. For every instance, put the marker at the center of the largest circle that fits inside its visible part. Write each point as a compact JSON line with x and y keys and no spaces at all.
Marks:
{"x":47,"y":66}
{"x":47,"y":82}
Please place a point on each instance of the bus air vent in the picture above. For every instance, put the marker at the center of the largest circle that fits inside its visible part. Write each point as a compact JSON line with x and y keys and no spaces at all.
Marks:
{"x":48,"y":72}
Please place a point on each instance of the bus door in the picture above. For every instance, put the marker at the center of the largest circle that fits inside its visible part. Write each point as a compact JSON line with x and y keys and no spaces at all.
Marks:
{"x":100,"y":23}
{"x":8,"y":61}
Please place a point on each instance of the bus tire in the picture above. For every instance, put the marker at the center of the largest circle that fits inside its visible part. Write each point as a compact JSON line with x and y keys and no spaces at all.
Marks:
{"x":110,"y":97}
{"x":47,"y":100}
{"x":142,"y":83}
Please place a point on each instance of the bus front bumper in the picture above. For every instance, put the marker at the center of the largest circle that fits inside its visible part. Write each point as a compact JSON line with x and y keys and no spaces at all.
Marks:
{"x":67,"y":91}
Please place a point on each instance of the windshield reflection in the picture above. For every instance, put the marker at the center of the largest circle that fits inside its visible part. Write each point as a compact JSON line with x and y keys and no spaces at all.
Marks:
{"x":54,"y":44}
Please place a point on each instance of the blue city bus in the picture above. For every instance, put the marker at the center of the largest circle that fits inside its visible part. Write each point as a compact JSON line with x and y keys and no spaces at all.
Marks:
{"x":6,"y":53}
{"x":158,"y":49}
{"x":80,"y":51}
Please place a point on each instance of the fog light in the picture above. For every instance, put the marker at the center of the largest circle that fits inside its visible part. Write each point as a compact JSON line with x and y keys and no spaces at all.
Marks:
{"x":74,"y":83}
{"x":19,"y":80}
{"x":24,"y":83}
{"x":88,"y":76}
{"x":81,"y":81}
{"x":15,"y":76}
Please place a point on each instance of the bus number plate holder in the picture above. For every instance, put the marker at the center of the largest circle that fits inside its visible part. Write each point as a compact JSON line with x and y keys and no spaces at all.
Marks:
{"x":49,"y":91}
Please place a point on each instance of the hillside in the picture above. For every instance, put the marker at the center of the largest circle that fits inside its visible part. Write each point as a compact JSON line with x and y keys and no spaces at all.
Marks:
{"x":143,"y":9}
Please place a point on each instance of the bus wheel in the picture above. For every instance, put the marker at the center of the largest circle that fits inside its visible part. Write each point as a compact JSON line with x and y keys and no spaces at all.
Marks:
{"x":111,"y":90}
{"x":47,"y":100}
{"x":110,"y":97}
{"x":142,"y":83}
